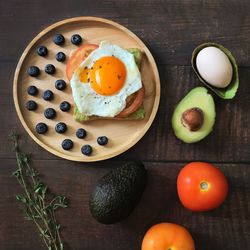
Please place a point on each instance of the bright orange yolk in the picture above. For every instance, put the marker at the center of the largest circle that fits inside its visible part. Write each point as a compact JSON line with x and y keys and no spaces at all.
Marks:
{"x":84,"y":75}
{"x":107,"y":76}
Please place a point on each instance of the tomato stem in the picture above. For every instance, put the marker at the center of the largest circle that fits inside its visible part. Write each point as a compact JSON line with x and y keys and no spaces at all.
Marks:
{"x":204,"y":185}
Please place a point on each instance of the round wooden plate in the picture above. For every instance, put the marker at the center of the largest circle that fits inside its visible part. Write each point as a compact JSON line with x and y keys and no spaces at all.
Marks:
{"x":122,"y":134}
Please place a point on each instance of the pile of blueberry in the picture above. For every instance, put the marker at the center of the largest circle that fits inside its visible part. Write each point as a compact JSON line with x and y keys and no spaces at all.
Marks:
{"x":50,"y":69}
{"x":48,"y":95}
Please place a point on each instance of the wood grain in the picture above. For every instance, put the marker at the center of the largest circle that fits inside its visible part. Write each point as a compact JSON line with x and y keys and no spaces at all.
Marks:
{"x":171,"y":29}
{"x":123,"y":134}
{"x":229,"y":141}
{"x":159,"y":203}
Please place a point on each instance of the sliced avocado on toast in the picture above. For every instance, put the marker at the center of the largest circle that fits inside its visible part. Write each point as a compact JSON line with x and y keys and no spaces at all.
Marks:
{"x":139,"y":114}
{"x":137,"y":55}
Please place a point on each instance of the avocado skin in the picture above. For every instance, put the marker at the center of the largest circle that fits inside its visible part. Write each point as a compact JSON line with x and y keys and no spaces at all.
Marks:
{"x":118,"y":192}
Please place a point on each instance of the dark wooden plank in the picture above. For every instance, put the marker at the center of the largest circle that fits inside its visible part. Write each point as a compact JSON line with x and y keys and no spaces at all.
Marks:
{"x":229,"y":142}
{"x":211,"y":230}
{"x":171,"y":29}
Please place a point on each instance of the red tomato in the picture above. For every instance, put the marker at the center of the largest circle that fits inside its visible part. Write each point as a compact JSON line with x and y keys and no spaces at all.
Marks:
{"x":78,"y":56}
{"x":136,"y":103}
{"x":201,"y":186}
{"x":167,"y":236}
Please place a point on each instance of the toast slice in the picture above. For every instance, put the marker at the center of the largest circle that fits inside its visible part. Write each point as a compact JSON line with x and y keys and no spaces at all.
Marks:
{"x":139,"y":114}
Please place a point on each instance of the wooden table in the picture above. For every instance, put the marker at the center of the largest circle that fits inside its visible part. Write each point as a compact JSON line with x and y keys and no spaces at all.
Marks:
{"x":171,"y":30}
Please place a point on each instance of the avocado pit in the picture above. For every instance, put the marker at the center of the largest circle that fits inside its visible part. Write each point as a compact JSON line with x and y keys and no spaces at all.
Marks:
{"x":192,"y":118}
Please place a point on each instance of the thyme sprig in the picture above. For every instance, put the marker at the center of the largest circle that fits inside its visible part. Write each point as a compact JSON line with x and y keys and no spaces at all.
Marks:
{"x":37,"y":207}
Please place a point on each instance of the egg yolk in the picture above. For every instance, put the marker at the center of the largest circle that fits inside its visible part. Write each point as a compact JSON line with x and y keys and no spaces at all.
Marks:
{"x":107,"y":76}
{"x":84,"y":75}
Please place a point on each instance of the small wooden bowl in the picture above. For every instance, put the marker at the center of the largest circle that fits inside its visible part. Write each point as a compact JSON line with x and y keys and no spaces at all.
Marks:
{"x":122,"y":134}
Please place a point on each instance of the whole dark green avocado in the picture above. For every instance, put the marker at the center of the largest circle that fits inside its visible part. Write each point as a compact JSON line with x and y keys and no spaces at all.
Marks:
{"x":118,"y":192}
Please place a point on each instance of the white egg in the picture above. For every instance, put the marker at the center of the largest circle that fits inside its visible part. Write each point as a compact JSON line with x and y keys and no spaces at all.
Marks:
{"x":214,"y":67}
{"x":88,"y":101}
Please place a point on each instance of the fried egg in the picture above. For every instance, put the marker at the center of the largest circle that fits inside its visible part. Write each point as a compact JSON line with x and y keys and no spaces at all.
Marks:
{"x":103,"y":81}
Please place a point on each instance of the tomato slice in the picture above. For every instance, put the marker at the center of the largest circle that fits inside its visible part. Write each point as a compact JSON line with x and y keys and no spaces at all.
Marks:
{"x":136,"y":103}
{"x":78,"y":56}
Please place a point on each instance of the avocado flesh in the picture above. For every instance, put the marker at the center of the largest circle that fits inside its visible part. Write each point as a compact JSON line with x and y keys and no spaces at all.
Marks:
{"x":118,"y":192}
{"x":139,"y":114}
{"x":137,"y":55}
{"x":200,"y":98}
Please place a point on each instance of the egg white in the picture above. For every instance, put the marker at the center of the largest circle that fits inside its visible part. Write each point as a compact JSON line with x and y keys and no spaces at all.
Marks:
{"x":90,"y":102}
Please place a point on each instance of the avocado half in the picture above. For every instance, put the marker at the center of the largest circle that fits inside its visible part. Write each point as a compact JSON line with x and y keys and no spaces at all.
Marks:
{"x":199,"y":109}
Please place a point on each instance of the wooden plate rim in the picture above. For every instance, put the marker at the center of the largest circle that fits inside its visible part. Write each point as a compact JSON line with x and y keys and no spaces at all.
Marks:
{"x":155,"y":105}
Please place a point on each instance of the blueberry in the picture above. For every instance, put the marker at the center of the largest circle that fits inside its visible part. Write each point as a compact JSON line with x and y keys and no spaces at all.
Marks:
{"x":60,"y":84}
{"x":48,"y":95}
{"x":81,"y":133}
{"x":60,"y":57}
{"x":33,"y":71}
{"x":49,"y":113}
{"x":60,"y":127}
{"x":76,"y":39}
{"x":50,"y":69}
{"x":59,"y":39}
{"x":31,"y":105}
{"x":67,"y":144}
{"x":41,"y":128}
{"x":86,"y":150}
{"x":102,"y":140}
{"x":65,"y":106}
{"x":32,"y":90}
{"x":42,"y":51}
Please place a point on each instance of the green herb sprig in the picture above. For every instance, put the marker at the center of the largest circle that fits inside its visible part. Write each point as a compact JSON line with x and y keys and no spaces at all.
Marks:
{"x":37,"y":207}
